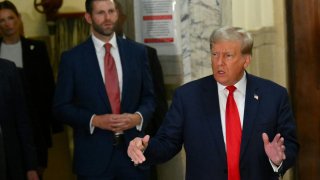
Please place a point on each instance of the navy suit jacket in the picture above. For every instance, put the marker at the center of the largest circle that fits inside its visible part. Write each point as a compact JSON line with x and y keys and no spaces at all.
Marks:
{"x":193,"y":120}
{"x":80,"y":93}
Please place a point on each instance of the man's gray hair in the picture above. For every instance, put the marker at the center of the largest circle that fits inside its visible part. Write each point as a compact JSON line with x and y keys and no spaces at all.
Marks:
{"x":233,"y":34}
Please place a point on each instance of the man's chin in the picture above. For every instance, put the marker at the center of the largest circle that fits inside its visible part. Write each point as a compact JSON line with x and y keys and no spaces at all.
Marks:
{"x":108,"y":33}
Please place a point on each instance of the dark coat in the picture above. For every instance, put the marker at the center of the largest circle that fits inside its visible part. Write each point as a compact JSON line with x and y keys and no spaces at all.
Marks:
{"x":38,"y":84}
{"x":16,"y":134}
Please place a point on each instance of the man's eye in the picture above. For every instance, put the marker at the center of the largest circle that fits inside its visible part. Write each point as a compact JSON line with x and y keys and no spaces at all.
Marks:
{"x":229,"y":55}
{"x":99,"y":12}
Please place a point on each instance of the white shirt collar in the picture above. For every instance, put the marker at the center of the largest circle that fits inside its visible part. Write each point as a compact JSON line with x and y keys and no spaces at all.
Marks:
{"x":240,"y":85}
{"x":98,"y":44}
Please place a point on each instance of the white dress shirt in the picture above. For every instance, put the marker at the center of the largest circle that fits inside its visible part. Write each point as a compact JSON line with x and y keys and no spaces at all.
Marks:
{"x":239,"y":96}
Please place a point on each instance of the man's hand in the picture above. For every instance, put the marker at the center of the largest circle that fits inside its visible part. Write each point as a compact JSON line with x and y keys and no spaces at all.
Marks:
{"x":275,"y":149}
{"x":116,"y":122}
{"x":32,"y":175}
{"x":136,"y":149}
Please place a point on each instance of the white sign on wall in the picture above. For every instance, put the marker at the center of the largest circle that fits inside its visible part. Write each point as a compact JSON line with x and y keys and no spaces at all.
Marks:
{"x":157,"y":25}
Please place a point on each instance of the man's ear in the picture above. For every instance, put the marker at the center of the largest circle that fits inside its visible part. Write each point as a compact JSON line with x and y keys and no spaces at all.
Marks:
{"x":87,"y":16}
{"x":247,"y":60}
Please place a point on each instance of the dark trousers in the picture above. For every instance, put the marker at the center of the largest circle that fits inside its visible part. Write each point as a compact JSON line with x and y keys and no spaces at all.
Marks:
{"x":120,"y":168}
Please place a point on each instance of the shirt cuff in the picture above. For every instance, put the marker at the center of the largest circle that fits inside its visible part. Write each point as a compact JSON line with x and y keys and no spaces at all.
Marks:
{"x":91,"y":127}
{"x":139,"y":127}
{"x":275,"y":167}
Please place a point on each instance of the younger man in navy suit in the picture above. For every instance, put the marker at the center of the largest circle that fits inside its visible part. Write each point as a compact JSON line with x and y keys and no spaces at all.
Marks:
{"x":104,"y":121}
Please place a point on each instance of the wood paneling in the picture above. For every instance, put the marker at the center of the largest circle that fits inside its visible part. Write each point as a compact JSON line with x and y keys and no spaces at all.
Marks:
{"x":304,"y":67}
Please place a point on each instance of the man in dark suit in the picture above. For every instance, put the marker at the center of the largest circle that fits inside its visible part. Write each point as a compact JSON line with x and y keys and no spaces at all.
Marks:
{"x":18,"y":156}
{"x":198,"y":119}
{"x":31,"y":57}
{"x":84,"y":101}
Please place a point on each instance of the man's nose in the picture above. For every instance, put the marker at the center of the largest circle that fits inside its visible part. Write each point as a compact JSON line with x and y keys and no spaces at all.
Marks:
{"x":220,"y":60}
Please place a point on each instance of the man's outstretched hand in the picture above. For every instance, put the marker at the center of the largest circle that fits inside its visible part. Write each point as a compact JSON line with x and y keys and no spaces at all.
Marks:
{"x":136,"y":149}
{"x":275,"y":149}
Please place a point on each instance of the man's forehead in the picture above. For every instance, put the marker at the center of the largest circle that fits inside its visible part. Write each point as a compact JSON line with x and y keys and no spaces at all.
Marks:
{"x":104,"y":1}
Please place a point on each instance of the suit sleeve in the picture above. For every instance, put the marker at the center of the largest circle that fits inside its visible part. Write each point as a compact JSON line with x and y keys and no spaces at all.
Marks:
{"x":147,"y":102}
{"x":169,"y":139}
{"x":64,"y":107}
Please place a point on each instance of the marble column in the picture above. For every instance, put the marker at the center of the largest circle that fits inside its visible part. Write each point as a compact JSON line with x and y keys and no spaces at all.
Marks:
{"x":198,"y":18}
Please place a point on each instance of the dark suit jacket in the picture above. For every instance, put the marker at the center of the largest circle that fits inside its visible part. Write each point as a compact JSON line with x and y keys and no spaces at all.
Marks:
{"x":80,"y":93}
{"x":16,"y":133}
{"x":193,"y":120}
{"x":38,"y":84}
{"x":159,"y":91}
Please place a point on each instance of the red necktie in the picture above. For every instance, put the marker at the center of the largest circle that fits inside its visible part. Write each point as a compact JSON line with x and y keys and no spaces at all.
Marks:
{"x":233,"y":136}
{"x":111,"y":80}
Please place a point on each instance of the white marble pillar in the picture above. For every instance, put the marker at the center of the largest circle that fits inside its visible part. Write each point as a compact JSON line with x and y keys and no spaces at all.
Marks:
{"x":198,"y":19}
{"x":203,"y":17}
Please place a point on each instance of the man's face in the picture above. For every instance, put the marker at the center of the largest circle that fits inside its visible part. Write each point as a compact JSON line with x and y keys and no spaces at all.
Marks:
{"x":228,"y":63}
{"x":103,"y":18}
{"x":9,"y":23}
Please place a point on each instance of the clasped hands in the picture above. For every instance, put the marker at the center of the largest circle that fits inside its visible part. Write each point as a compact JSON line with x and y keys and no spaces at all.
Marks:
{"x":116,"y":122}
{"x":275,"y":149}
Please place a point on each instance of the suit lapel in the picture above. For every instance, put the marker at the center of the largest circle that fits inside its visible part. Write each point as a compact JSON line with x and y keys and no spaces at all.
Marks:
{"x":91,"y":59}
{"x":25,"y":51}
{"x":212,"y":110}
{"x":250,"y":112}
{"x":124,"y":63}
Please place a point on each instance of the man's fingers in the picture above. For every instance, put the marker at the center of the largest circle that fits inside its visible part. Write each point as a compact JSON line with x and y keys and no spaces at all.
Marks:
{"x":135,"y":151}
{"x":277,"y":138}
{"x":281,"y":141}
{"x":145,"y":141}
{"x":265,"y":139}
